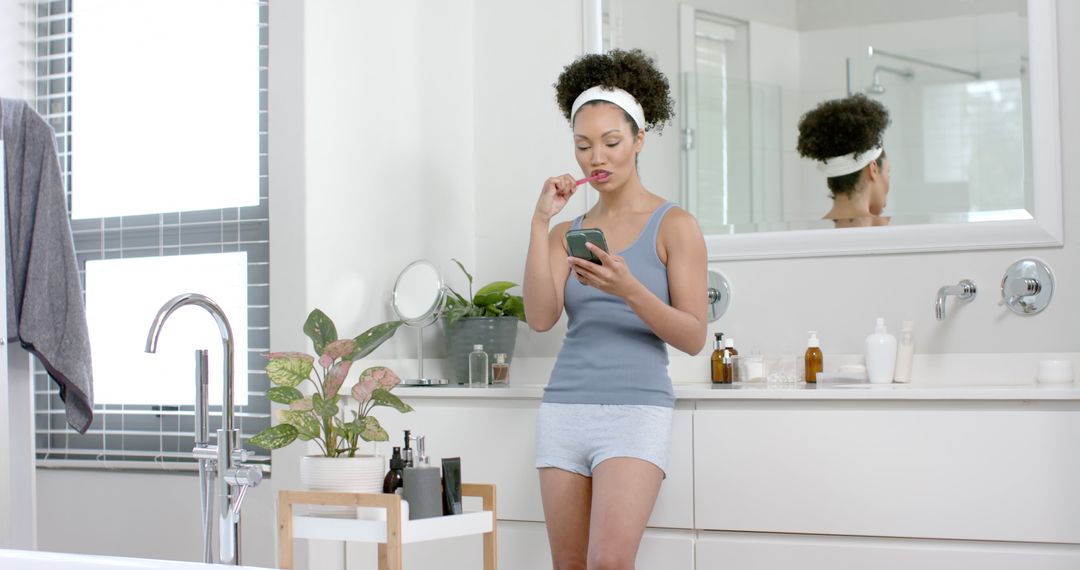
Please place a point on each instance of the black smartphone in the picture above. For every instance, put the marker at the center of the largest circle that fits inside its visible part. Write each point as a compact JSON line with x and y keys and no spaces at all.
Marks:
{"x":451,"y":472}
{"x":576,"y":240}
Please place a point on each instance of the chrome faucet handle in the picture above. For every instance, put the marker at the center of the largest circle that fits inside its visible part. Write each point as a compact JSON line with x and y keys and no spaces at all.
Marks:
{"x":243,"y":477}
{"x":1027,"y":287}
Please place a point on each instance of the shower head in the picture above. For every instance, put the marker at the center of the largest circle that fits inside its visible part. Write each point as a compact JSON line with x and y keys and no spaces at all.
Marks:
{"x":876,"y":87}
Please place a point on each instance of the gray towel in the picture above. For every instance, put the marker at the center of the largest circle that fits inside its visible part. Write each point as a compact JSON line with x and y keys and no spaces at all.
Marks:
{"x":45,"y":309}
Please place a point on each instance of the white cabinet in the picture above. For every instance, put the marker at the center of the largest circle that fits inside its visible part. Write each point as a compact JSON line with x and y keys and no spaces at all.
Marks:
{"x":974,"y":470}
{"x":751,"y":551}
{"x":495,"y":440}
{"x":806,"y":483}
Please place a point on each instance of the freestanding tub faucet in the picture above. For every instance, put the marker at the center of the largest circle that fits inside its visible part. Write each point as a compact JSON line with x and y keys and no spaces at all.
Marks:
{"x":964,"y":290}
{"x":224,"y":461}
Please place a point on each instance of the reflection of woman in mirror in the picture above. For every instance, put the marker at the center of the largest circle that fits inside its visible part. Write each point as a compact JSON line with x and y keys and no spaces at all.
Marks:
{"x":603,"y":430}
{"x":844,"y":136}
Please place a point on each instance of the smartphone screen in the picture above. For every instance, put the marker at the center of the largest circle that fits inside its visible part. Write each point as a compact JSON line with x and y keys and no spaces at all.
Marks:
{"x":576,"y":240}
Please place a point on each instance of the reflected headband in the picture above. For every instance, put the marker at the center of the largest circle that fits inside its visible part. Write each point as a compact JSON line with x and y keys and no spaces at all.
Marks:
{"x":848,"y":163}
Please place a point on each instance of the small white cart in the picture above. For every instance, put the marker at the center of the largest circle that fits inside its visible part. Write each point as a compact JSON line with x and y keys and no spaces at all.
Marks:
{"x":391,"y":533}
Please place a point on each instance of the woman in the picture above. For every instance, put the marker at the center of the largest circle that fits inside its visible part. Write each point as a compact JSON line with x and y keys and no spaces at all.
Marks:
{"x":845,"y":137}
{"x":604,"y":426}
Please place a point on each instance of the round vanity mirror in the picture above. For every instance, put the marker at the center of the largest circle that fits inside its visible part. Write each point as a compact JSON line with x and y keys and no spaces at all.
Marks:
{"x":418,"y":299}
{"x":418,"y":294}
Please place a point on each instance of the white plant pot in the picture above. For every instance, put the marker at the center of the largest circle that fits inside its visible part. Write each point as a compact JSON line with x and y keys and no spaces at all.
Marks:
{"x":360,"y":474}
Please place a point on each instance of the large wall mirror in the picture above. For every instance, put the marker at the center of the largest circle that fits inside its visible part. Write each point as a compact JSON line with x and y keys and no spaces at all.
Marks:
{"x":970,"y":85}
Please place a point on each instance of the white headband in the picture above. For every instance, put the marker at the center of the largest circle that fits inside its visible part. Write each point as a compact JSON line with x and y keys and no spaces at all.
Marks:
{"x":848,"y":163}
{"x":614,"y":95}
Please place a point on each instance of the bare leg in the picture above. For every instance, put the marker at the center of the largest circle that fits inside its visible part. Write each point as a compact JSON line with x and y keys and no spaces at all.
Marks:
{"x":624,"y":492}
{"x":566,"y":497}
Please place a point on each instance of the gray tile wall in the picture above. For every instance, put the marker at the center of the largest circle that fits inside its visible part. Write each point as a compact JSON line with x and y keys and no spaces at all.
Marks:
{"x":164,"y":434}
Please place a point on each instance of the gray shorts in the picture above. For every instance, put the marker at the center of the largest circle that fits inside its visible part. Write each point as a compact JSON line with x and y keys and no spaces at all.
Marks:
{"x":577,"y":437}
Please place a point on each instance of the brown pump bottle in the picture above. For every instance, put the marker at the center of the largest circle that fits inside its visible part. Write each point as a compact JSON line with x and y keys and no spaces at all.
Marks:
{"x":815,"y":362}
{"x":716,"y":361}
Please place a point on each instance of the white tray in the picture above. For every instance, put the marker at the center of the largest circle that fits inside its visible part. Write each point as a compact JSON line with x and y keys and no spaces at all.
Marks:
{"x":420,"y":530}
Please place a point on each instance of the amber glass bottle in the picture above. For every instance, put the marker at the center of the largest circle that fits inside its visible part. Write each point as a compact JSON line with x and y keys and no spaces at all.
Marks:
{"x":717,"y":359}
{"x":730,"y":373}
{"x":815,"y":362}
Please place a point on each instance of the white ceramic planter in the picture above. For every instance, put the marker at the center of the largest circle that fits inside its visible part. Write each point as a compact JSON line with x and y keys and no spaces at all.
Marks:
{"x":360,"y":474}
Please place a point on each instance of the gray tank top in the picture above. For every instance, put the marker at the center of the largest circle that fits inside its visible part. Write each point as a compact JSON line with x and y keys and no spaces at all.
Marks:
{"x":609,"y":355}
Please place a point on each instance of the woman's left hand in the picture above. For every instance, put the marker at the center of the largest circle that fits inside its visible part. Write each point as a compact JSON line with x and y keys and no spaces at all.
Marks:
{"x":611,"y":276}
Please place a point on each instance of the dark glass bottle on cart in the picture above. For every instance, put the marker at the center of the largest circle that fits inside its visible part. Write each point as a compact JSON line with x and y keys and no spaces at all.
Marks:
{"x":395,"y":477}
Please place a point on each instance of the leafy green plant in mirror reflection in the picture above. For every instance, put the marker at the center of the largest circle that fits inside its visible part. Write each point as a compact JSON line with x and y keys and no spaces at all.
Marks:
{"x":318,"y":417}
{"x":492,"y":300}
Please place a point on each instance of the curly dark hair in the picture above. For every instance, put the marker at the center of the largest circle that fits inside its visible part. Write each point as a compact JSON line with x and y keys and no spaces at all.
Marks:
{"x":629,"y":70}
{"x":839,"y":127}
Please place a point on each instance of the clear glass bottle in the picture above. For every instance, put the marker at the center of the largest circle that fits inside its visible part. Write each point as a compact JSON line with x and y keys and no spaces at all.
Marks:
{"x":478,"y":367}
{"x":500,"y":370}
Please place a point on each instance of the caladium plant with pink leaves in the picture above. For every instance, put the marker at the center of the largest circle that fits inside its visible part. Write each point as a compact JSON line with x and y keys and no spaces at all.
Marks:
{"x":318,"y":417}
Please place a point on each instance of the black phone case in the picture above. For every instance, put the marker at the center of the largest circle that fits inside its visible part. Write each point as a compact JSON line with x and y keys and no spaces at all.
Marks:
{"x":576,"y":240}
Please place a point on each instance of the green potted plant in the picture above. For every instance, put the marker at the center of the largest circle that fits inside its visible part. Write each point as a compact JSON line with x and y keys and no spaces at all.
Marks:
{"x":489,"y":318}
{"x":319,"y":416}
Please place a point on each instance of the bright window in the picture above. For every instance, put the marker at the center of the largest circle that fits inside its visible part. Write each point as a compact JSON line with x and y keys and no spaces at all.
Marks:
{"x":122,"y":295}
{"x":167,"y":112}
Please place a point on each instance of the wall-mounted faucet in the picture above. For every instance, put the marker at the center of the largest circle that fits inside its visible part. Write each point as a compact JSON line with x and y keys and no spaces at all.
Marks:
{"x":965,"y":291}
{"x":223,"y":461}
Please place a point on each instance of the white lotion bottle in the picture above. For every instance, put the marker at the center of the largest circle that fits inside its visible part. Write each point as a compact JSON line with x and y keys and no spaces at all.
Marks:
{"x":880,"y":354}
{"x":905,"y":353}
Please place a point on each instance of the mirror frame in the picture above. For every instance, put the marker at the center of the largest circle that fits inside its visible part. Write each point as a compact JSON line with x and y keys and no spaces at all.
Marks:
{"x":433,"y":311}
{"x":1044,"y":230}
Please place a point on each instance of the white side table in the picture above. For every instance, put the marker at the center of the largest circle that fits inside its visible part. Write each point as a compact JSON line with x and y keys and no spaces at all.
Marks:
{"x":391,"y":533}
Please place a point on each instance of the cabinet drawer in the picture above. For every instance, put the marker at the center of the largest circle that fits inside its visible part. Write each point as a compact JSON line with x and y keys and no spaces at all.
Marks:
{"x":1002,"y":471}
{"x":741,"y":551}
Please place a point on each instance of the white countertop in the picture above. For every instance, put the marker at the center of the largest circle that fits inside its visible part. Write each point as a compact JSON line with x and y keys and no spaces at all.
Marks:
{"x":703,"y":391}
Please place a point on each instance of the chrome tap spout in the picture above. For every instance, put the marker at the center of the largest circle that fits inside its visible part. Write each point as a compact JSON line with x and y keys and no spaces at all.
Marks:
{"x":224,"y":328}
{"x":221,"y":461}
{"x":964,"y":290}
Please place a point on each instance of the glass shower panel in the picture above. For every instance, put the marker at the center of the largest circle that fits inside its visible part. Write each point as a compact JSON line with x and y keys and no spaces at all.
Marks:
{"x":718,"y":140}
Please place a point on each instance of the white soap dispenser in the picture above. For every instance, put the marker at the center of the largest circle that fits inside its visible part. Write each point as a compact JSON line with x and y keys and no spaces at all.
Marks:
{"x":880,"y":354}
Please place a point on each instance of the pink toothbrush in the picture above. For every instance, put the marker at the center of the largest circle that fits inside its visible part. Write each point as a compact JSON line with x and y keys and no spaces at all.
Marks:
{"x":600,"y":176}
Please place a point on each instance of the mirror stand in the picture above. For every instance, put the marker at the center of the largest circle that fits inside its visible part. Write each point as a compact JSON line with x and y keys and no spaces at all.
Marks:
{"x":421,"y":379}
{"x":418,"y":299}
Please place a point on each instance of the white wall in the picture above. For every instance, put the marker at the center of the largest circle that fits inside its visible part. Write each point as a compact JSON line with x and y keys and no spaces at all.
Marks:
{"x":14,"y":52}
{"x":428,"y":133}
{"x":17,"y":479}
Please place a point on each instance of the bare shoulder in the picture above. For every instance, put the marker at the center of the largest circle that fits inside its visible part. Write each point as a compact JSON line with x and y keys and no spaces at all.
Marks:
{"x":679,"y":231}
{"x":558,"y":234}
{"x":561,"y":228}
{"x":679,"y":225}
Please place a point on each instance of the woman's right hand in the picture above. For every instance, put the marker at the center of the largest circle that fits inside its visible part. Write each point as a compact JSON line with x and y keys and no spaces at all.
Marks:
{"x":556,"y":193}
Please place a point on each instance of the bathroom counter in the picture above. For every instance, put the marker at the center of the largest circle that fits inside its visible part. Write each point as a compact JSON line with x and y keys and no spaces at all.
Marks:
{"x":791,"y":392}
{"x":981,"y":475}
